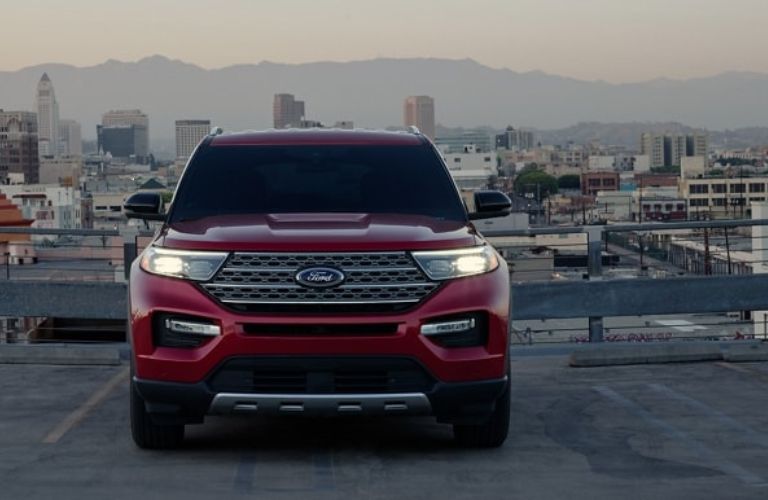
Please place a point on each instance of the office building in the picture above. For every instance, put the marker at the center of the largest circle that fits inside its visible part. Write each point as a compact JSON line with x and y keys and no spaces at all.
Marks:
{"x":189,"y":133}
{"x":70,"y":138}
{"x":47,"y":118}
{"x":287,"y":112}
{"x":419,"y":111}
{"x":719,"y":197}
{"x":667,"y":150}
{"x":515,"y":139}
{"x":18,"y":146}
{"x":124,"y":134}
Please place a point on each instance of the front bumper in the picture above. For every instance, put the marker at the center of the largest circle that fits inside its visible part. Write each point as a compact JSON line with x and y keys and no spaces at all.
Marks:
{"x":458,"y":403}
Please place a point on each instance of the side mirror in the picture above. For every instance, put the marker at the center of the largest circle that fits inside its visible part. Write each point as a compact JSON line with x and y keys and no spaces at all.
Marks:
{"x":146,"y":206}
{"x":490,"y":204}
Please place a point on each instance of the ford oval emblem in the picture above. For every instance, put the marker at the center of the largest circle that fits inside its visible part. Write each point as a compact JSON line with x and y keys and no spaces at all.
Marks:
{"x":320,"y":277}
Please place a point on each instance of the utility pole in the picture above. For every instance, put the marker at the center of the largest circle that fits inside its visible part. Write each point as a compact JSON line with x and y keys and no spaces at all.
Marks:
{"x":741,"y":193}
{"x":549,"y":211}
{"x":727,"y":249}
{"x":707,"y":256}
{"x":640,"y":220}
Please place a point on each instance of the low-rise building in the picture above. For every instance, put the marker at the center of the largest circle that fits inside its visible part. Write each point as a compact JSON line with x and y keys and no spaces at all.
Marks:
{"x":643,"y":181}
{"x":720,"y":197}
{"x":592,"y":182}
{"x":598,"y":162}
{"x":471,"y":168}
{"x":662,"y":208}
{"x":15,"y":247}
{"x":692,"y":167}
{"x":50,"y":206}
{"x":615,"y":205}
{"x":62,"y":170}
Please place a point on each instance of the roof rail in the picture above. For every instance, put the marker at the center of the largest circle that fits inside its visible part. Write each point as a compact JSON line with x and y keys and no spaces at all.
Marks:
{"x":413,"y":129}
{"x":216,"y":131}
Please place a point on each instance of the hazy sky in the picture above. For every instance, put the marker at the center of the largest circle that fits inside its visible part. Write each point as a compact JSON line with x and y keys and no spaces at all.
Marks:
{"x":614,"y":40}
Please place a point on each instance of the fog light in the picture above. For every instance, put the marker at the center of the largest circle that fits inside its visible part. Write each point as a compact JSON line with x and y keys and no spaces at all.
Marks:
{"x":466,"y":330}
{"x":448,"y":327}
{"x":180,"y":331}
{"x":192,"y":328}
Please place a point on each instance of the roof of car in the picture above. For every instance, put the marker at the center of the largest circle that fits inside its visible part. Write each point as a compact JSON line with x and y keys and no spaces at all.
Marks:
{"x":318,"y":137}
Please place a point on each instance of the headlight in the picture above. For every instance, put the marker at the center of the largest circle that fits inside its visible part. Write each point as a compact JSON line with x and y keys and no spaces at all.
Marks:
{"x":197,"y":266}
{"x":447,"y":264}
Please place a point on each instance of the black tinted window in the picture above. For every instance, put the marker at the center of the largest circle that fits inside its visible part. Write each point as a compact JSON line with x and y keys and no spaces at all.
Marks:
{"x":291,"y":179}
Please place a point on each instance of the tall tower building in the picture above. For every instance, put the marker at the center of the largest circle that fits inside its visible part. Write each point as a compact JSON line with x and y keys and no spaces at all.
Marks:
{"x":47,"y":118}
{"x":189,"y":133}
{"x":287,"y":111}
{"x":652,"y":145}
{"x":18,"y":146}
{"x":697,"y":144}
{"x":419,"y":111}
{"x":70,"y":138}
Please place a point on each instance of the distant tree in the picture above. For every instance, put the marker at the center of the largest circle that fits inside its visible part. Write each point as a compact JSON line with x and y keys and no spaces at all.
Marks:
{"x":570,"y":181}
{"x":535,"y":180}
{"x":736,"y":162}
{"x":669,"y":169}
{"x":716,"y":172}
{"x":530,"y":167}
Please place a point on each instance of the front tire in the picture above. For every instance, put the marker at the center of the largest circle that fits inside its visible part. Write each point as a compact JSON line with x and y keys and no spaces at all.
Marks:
{"x":146,"y":434}
{"x":493,"y":432}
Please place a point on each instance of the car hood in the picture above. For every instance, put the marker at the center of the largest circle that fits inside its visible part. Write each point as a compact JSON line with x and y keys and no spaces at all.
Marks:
{"x":330,"y":232}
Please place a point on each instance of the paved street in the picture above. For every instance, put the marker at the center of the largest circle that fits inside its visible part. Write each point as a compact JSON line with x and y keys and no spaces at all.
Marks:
{"x":667,"y":431}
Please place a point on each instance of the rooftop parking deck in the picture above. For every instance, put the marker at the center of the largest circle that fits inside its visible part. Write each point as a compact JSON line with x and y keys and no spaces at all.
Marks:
{"x":654,"y":431}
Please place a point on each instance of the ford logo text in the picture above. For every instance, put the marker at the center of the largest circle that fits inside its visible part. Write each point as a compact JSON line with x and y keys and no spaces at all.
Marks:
{"x":320,"y":277}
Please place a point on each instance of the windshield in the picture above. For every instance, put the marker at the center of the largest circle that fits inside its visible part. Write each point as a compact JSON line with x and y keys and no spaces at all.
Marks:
{"x":311,"y":179}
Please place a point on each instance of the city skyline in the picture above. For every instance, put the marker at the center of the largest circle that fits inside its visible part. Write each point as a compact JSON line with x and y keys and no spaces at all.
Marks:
{"x":589,"y":40}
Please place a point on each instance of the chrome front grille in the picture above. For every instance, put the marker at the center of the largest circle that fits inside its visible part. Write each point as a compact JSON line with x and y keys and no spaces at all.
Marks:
{"x":269,"y":278}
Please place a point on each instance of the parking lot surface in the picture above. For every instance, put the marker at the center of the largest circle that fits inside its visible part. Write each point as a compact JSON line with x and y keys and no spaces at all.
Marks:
{"x":684,"y":431}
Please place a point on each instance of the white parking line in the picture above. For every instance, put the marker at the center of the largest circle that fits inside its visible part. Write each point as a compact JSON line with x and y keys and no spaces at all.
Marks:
{"x":708,"y":456}
{"x":722,"y":418}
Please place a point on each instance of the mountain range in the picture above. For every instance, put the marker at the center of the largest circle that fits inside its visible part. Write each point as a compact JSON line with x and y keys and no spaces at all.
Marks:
{"x":371,"y":93}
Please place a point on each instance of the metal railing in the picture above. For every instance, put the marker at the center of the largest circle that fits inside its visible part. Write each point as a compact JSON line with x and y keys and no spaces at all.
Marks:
{"x":92,"y":283}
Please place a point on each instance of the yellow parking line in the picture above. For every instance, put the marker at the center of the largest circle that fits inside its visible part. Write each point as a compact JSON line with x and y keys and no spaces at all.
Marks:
{"x":77,"y":416}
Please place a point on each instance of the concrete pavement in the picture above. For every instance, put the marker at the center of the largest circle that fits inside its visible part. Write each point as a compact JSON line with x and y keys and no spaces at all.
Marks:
{"x":634,"y":432}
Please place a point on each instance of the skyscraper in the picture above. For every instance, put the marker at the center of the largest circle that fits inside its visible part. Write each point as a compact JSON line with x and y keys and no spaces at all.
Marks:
{"x":419,"y":111}
{"x":47,"y":118}
{"x":18,"y":146}
{"x":125,"y":134}
{"x":70,"y":138}
{"x":287,"y":111}
{"x":189,"y":133}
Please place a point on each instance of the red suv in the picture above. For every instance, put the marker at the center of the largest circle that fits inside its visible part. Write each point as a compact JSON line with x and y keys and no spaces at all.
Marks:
{"x":318,"y":272}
